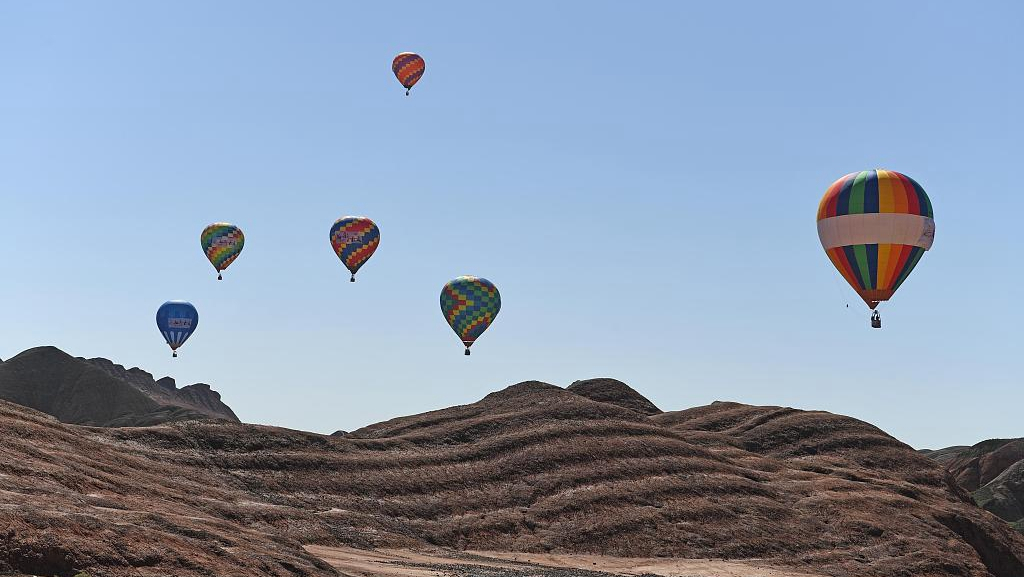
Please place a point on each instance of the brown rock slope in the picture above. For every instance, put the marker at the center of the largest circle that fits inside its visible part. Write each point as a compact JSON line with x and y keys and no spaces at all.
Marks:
{"x":198,"y":397}
{"x":530,"y":468}
{"x":614,"y":392}
{"x":101,"y":393}
{"x":993,"y":472}
{"x":74,"y":498}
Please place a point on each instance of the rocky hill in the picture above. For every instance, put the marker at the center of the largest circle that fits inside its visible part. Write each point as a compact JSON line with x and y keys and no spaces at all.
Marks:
{"x":199,"y":397}
{"x":614,"y":392}
{"x":993,"y":472}
{"x":532,"y":468}
{"x":100,"y":393}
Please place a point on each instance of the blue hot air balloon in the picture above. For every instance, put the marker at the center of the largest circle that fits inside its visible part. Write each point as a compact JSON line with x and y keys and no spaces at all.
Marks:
{"x":177,"y":320}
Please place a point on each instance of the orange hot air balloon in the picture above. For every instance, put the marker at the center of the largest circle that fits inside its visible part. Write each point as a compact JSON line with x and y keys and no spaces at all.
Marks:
{"x":408,"y":68}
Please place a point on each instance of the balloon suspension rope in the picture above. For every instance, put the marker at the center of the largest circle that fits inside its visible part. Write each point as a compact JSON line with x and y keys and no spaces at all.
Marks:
{"x":353,"y":279}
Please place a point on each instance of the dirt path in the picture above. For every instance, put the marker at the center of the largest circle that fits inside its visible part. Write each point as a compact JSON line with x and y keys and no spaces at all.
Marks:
{"x":446,"y":563}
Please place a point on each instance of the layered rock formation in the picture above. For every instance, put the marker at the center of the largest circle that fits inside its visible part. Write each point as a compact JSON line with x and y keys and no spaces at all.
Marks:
{"x":100,"y":393}
{"x":531,"y":468}
{"x":993,"y":472}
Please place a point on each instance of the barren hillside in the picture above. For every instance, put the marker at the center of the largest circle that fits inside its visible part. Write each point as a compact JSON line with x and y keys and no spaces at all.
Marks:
{"x":993,"y":472}
{"x":99,"y":392}
{"x":532,"y":468}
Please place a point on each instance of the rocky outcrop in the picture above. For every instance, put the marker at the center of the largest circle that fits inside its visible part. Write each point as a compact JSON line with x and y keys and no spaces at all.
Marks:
{"x":100,"y":393}
{"x":199,"y":396}
{"x":993,"y":472}
{"x":614,"y":392}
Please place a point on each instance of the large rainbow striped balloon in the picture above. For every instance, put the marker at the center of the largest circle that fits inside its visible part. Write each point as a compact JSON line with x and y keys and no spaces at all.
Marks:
{"x":408,"y":68}
{"x":354,"y":239}
{"x":470,"y":305}
{"x":875,"y":225}
{"x":222,"y":243}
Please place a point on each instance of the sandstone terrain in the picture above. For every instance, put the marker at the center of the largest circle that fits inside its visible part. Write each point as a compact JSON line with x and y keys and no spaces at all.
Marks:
{"x":555,"y":478}
{"x":993,"y":472}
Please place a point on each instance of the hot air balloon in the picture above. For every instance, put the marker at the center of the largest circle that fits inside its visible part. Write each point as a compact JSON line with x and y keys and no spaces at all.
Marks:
{"x":177,"y":320}
{"x":222,"y":243}
{"x":875,"y":225}
{"x":469,"y":304}
{"x":408,"y":68}
{"x":354,"y":239}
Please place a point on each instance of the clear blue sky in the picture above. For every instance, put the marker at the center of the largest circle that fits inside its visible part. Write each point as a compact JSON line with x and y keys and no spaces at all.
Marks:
{"x":639,"y":179}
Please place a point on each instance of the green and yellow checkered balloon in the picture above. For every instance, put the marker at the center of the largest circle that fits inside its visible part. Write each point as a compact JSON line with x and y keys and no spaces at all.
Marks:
{"x":469,"y":305}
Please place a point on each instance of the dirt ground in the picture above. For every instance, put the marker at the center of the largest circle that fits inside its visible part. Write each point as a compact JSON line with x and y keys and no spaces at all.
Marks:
{"x":447,"y":563}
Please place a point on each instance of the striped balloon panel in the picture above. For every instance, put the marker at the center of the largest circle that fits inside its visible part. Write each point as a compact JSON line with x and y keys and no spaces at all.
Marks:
{"x":408,"y":68}
{"x":222,"y":243}
{"x":176,"y":338}
{"x":876,"y":266}
{"x":177,"y":320}
{"x":470,"y":305}
{"x":874,"y":191}
{"x":354,"y":239}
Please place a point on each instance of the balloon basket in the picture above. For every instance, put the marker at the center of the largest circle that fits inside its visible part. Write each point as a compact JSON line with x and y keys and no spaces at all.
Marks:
{"x":467,"y":351}
{"x":174,"y":354}
{"x":353,"y":279}
{"x":219,"y":277}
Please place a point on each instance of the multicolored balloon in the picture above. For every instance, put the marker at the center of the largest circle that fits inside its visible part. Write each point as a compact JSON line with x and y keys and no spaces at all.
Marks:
{"x":354,"y":239}
{"x":177,"y":320}
{"x":875,"y":225}
{"x":470,"y":305}
{"x":222,"y":243}
{"x":408,"y":68}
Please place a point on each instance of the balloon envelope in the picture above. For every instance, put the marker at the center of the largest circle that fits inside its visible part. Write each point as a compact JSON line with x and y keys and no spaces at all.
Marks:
{"x":470,"y":305}
{"x":222,"y":243}
{"x":875,"y":225}
{"x":177,"y":320}
{"x":408,"y":68}
{"x":354,"y":239}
